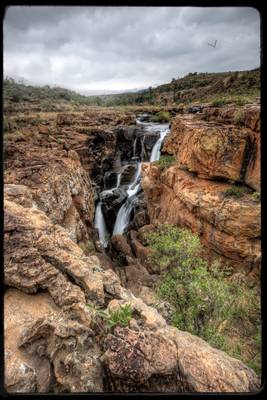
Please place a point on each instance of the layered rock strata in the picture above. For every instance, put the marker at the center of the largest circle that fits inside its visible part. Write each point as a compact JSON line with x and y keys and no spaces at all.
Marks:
{"x":197,"y":192}
{"x":58,"y":346}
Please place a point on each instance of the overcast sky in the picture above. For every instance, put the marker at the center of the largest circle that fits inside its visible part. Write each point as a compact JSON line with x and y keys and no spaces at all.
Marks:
{"x":118,"y":48}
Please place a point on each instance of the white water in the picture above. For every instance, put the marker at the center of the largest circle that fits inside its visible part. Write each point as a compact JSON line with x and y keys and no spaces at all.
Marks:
{"x":134,"y":147}
{"x":118,"y":180}
{"x":155,"y":153}
{"x":123,"y":216}
{"x":101,"y":225}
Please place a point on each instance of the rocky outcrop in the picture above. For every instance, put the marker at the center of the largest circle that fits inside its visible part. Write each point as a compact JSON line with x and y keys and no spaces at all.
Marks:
{"x":248,"y":116}
{"x":40,"y":255}
{"x":58,"y":345}
{"x":55,"y":338}
{"x":209,"y":149}
{"x":58,"y":186}
{"x":213,"y":150}
{"x":160,"y":358}
{"x":253,"y":171}
{"x":229,"y":227}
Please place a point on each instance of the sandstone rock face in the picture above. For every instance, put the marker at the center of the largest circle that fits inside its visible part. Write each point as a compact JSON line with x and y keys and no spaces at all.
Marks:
{"x":164,"y":359}
{"x":210,"y":150}
{"x":253,"y":172}
{"x":52,"y":342}
{"x":249,"y":115}
{"x":55,"y":348}
{"x":59,"y":186}
{"x":39,"y":254}
{"x":68,"y":346}
{"x":229,"y":227}
{"x":133,"y":355}
{"x":21,"y":310}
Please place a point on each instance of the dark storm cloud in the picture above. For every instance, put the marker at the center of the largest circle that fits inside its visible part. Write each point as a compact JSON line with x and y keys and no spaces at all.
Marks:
{"x":126,"y":47}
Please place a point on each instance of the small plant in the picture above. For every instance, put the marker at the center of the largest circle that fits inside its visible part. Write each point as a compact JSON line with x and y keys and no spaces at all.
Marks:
{"x":256,"y":196}
{"x":239,"y":118}
{"x":165,"y":162}
{"x":161,"y":116}
{"x":119,"y":317}
{"x":234,"y":191}
{"x":219,"y":102}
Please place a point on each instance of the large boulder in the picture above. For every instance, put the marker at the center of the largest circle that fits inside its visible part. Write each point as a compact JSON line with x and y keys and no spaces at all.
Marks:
{"x":211,"y":150}
{"x":164,"y":359}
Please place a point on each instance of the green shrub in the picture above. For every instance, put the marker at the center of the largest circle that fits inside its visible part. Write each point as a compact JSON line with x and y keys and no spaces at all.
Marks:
{"x":219,"y":102}
{"x":171,"y":245}
{"x":206,"y":301}
{"x":239,"y":117}
{"x":161,"y":116}
{"x":234,"y":191}
{"x":256,"y":196}
{"x":119,"y":317}
{"x":165,"y":162}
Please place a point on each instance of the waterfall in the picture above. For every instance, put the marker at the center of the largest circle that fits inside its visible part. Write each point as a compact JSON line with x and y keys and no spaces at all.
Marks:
{"x":123,"y":217}
{"x":118,"y":180}
{"x":155,"y":153}
{"x":134,"y":146}
{"x":101,"y":225}
{"x":124,"y":213}
{"x":143,"y":147}
{"x":134,"y":186}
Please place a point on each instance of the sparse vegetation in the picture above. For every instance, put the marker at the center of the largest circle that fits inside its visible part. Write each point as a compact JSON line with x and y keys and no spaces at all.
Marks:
{"x":239,"y":118}
{"x":207,"y":301}
{"x":219,"y":102}
{"x":165,"y":162}
{"x":256,"y":196}
{"x":235,"y":191}
{"x":119,"y":317}
{"x":161,"y":116}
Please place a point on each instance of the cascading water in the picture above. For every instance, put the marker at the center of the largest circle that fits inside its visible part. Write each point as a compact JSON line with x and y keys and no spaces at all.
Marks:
{"x":134,"y":147}
{"x":101,"y":225}
{"x":124,"y":213}
{"x":155,"y":153}
{"x":123,"y":216}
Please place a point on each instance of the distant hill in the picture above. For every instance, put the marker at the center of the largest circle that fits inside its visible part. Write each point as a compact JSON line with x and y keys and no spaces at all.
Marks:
{"x":195,"y":87}
{"x":238,"y":86}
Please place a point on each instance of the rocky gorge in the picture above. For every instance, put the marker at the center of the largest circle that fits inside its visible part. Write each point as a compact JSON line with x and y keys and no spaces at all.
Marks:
{"x":80,"y":192}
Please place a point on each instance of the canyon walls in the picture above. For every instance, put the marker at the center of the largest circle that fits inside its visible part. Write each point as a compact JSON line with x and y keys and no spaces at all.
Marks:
{"x":211,"y":186}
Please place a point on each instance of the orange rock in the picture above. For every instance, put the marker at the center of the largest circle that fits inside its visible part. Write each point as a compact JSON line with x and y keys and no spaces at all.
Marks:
{"x":253,"y":172}
{"x":211,"y":150}
{"x":228,"y":226}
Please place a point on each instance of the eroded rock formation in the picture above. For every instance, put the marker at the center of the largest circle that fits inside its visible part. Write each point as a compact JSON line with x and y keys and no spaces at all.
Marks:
{"x":54,"y":342}
{"x":213,"y":152}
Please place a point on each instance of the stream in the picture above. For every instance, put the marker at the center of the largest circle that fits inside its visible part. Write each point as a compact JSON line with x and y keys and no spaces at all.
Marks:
{"x":134,"y":186}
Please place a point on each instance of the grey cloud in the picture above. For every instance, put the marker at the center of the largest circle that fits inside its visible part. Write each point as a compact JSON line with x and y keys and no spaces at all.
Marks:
{"x":126,"y":47}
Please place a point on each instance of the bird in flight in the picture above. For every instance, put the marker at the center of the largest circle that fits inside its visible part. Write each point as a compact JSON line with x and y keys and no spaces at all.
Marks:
{"x":213,"y":45}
